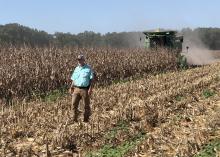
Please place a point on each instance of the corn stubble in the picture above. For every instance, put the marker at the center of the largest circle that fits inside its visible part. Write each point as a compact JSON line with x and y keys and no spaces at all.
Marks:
{"x":173,"y":127}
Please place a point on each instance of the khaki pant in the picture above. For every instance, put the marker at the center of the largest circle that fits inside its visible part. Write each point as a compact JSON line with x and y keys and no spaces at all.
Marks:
{"x":79,"y":94}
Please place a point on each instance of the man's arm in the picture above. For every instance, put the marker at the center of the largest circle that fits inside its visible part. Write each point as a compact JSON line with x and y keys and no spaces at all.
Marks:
{"x":71,"y":90}
{"x":92,"y":81}
{"x":91,"y":86}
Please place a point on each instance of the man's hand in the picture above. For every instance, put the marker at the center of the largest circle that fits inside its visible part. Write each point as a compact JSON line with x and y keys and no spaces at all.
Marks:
{"x":71,"y":90}
{"x":90,"y":91}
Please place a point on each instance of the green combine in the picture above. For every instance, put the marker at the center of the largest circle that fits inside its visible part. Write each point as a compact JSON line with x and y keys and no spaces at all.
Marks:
{"x":163,"y":39}
{"x":166,"y":39}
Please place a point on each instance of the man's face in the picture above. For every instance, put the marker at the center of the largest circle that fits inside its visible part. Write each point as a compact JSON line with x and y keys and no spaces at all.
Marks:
{"x":81,"y":62}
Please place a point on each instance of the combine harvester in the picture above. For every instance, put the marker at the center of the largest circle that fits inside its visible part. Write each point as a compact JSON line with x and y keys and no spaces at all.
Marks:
{"x":166,"y":39}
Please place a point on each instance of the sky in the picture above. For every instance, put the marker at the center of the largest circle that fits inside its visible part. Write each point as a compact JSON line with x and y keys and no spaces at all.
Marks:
{"x":102,"y":16}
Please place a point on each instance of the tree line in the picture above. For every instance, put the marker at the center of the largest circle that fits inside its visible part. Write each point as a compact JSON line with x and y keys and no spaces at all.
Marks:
{"x":17,"y":34}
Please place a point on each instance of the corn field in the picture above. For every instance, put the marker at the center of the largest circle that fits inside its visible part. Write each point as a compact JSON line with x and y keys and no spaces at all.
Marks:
{"x":26,"y":72}
{"x":169,"y":110}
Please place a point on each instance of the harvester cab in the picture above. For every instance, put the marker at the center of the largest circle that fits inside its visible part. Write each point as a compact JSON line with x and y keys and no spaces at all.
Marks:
{"x":168,"y":39}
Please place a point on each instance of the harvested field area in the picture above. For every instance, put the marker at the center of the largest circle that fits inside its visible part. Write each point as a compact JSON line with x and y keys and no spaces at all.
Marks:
{"x":172,"y":114}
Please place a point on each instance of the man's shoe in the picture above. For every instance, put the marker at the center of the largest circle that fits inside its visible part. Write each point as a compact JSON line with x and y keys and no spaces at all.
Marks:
{"x":86,"y":120}
{"x":71,"y":121}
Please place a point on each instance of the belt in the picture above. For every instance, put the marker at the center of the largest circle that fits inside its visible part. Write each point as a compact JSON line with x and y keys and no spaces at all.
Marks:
{"x":82,"y":87}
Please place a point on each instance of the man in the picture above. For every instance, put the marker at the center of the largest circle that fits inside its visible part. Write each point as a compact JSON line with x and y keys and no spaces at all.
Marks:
{"x":81,"y":87}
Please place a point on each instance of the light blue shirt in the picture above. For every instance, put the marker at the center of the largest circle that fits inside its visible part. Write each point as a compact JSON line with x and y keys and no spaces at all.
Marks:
{"x":82,"y":76}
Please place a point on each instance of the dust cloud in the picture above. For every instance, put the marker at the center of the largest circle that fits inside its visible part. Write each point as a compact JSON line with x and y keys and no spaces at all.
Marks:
{"x":197,"y":53}
{"x":135,"y":39}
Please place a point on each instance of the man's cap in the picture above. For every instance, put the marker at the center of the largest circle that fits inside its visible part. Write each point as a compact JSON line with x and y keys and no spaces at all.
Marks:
{"x":80,"y":57}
